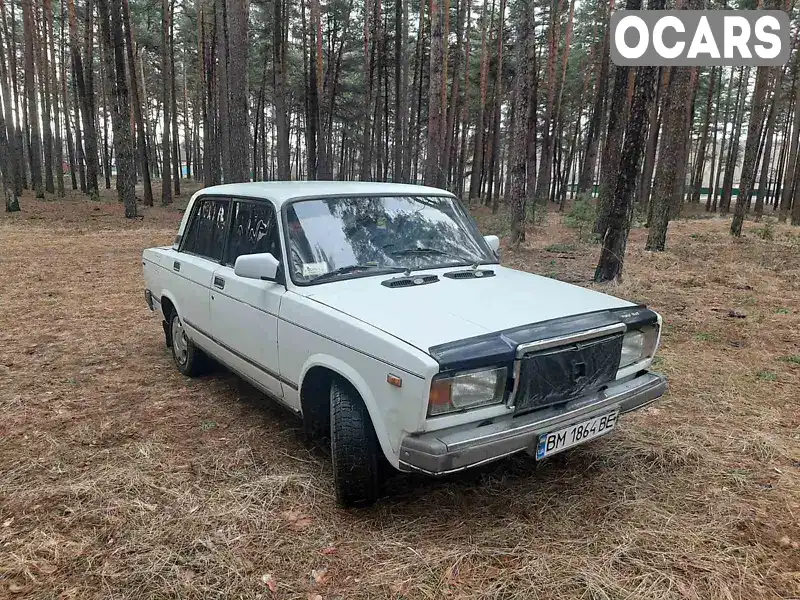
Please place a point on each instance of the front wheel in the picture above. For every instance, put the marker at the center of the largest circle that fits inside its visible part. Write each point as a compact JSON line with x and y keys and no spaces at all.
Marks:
{"x":189,"y":359}
{"x":354,"y":448}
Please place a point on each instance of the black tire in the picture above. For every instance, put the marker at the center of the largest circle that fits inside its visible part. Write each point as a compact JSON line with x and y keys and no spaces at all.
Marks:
{"x":354,"y":448}
{"x":190,"y":360}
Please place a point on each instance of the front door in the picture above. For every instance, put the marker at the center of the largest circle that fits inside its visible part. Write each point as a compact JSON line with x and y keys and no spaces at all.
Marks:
{"x":244,"y":312}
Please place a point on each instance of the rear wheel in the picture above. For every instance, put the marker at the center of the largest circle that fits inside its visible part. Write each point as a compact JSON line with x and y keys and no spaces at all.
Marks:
{"x":354,"y":448}
{"x":189,"y":359}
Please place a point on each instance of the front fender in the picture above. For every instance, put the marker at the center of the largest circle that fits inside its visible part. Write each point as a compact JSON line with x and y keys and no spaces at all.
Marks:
{"x":362,"y":387}
{"x":171,"y":297}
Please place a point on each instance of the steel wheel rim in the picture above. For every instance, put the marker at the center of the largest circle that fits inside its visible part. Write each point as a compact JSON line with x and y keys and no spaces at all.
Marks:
{"x":179,"y":343}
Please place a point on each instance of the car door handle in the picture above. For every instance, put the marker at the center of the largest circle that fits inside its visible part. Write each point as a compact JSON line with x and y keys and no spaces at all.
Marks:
{"x":219,"y":282}
{"x":176,"y":266}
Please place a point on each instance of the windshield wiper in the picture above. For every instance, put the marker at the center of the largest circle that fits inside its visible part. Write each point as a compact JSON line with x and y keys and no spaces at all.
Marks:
{"x":423,"y":250}
{"x":352,"y":269}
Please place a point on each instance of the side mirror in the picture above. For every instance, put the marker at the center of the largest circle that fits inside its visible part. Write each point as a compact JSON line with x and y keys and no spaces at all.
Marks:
{"x":257,"y":266}
{"x":493,"y":241}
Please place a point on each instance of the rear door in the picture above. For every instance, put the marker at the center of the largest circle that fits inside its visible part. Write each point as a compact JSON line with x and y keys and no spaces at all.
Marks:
{"x":199,"y":255}
{"x":244,"y":312}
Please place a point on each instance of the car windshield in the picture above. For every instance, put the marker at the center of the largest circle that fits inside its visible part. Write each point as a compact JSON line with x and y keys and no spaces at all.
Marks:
{"x":329,"y":238}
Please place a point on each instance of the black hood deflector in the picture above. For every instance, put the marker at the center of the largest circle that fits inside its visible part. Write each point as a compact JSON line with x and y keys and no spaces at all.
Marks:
{"x":500,"y":347}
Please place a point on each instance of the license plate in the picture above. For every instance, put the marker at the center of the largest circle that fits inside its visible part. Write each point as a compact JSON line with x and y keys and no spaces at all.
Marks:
{"x":558,"y":441}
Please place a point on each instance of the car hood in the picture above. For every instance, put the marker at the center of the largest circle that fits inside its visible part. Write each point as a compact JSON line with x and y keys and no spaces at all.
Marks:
{"x":454,"y":309}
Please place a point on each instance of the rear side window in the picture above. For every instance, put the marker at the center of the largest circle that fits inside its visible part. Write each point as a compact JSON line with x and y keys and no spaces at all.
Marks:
{"x":254,"y":230}
{"x":206,"y":236}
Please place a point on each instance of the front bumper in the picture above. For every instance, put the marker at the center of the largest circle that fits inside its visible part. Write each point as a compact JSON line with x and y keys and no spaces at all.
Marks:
{"x":458,"y":448}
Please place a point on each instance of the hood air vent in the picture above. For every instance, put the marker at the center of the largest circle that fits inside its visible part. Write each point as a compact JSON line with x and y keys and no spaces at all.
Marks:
{"x":409,"y":281}
{"x":470,"y":274}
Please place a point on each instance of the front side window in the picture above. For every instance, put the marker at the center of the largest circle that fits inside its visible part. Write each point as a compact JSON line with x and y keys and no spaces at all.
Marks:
{"x":254,"y":231}
{"x":330,"y":238}
{"x":206,"y":235}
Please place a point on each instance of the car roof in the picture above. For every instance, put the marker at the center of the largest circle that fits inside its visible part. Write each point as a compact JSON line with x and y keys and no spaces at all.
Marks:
{"x":284,"y":191}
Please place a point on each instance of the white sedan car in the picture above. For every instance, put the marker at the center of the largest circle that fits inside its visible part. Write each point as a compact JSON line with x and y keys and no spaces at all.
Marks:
{"x":379,"y":314}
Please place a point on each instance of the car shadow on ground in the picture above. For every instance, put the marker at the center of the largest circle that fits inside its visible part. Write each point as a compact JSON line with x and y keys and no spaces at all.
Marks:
{"x":519,"y":478}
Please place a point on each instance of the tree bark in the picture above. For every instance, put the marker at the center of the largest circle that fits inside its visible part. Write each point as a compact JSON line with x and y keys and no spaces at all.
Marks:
{"x":41,"y":45}
{"x":323,"y":161}
{"x":477,"y":155}
{"x":553,"y":39}
{"x":120,"y":105}
{"x":615,"y":240}
{"x":518,"y":179}
{"x":237,"y":86}
{"x":137,"y":106}
{"x":763,"y":182}
{"x":613,"y":145}
{"x":751,"y":147}
{"x":701,"y":152}
{"x":166,"y":78}
{"x":30,"y":94}
{"x":176,"y":148}
{"x":437,"y":83}
{"x":279,"y":70}
{"x":53,"y":91}
{"x":586,"y":179}
{"x":733,"y":153}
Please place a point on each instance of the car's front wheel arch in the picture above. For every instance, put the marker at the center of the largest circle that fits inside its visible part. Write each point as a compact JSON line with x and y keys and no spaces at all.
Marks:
{"x":323,"y":369}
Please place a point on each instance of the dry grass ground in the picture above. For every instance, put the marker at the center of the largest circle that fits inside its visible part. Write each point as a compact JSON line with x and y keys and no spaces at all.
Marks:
{"x":119,"y":478}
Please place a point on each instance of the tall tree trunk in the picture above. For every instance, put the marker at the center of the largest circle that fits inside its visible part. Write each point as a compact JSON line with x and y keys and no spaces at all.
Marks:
{"x":323,"y":161}
{"x":791,"y":164}
{"x":84,"y":87}
{"x":654,"y":129}
{"x":279,"y":71}
{"x":553,"y":39}
{"x":104,"y":51}
{"x":518,"y":179}
{"x":615,"y":239}
{"x":370,"y":22}
{"x":437,"y":84}
{"x":477,"y":155}
{"x":401,"y":86}
{"x":53,"y":91}
{"x":237,"y":86}
{"x":751,"y":147}
{"x":711,"y":190}
{"x":763,"y":181}
{"x":718,"y":194}
{"x":670,"y":170}
{"x":7,"y":137}
{"x":586,"y":179}
{"x":176,"y":148}
{"x":41,"y":45}
{"x":141,"y":132}
{"x":120,"y":105}
{"x":16,"y":143}
{"x":454,"y":106}
{"x":701,"y":151}
{"x":494,"y":149}
{"x":609,"y":166}
{"x":8,"y":158}
{"x":30,"y":93}
{"x":166,"y":78}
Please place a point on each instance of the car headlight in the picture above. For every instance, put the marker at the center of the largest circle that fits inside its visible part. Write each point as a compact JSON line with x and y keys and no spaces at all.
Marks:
{"x":463,"y":391}
{"x":638,"y":345}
